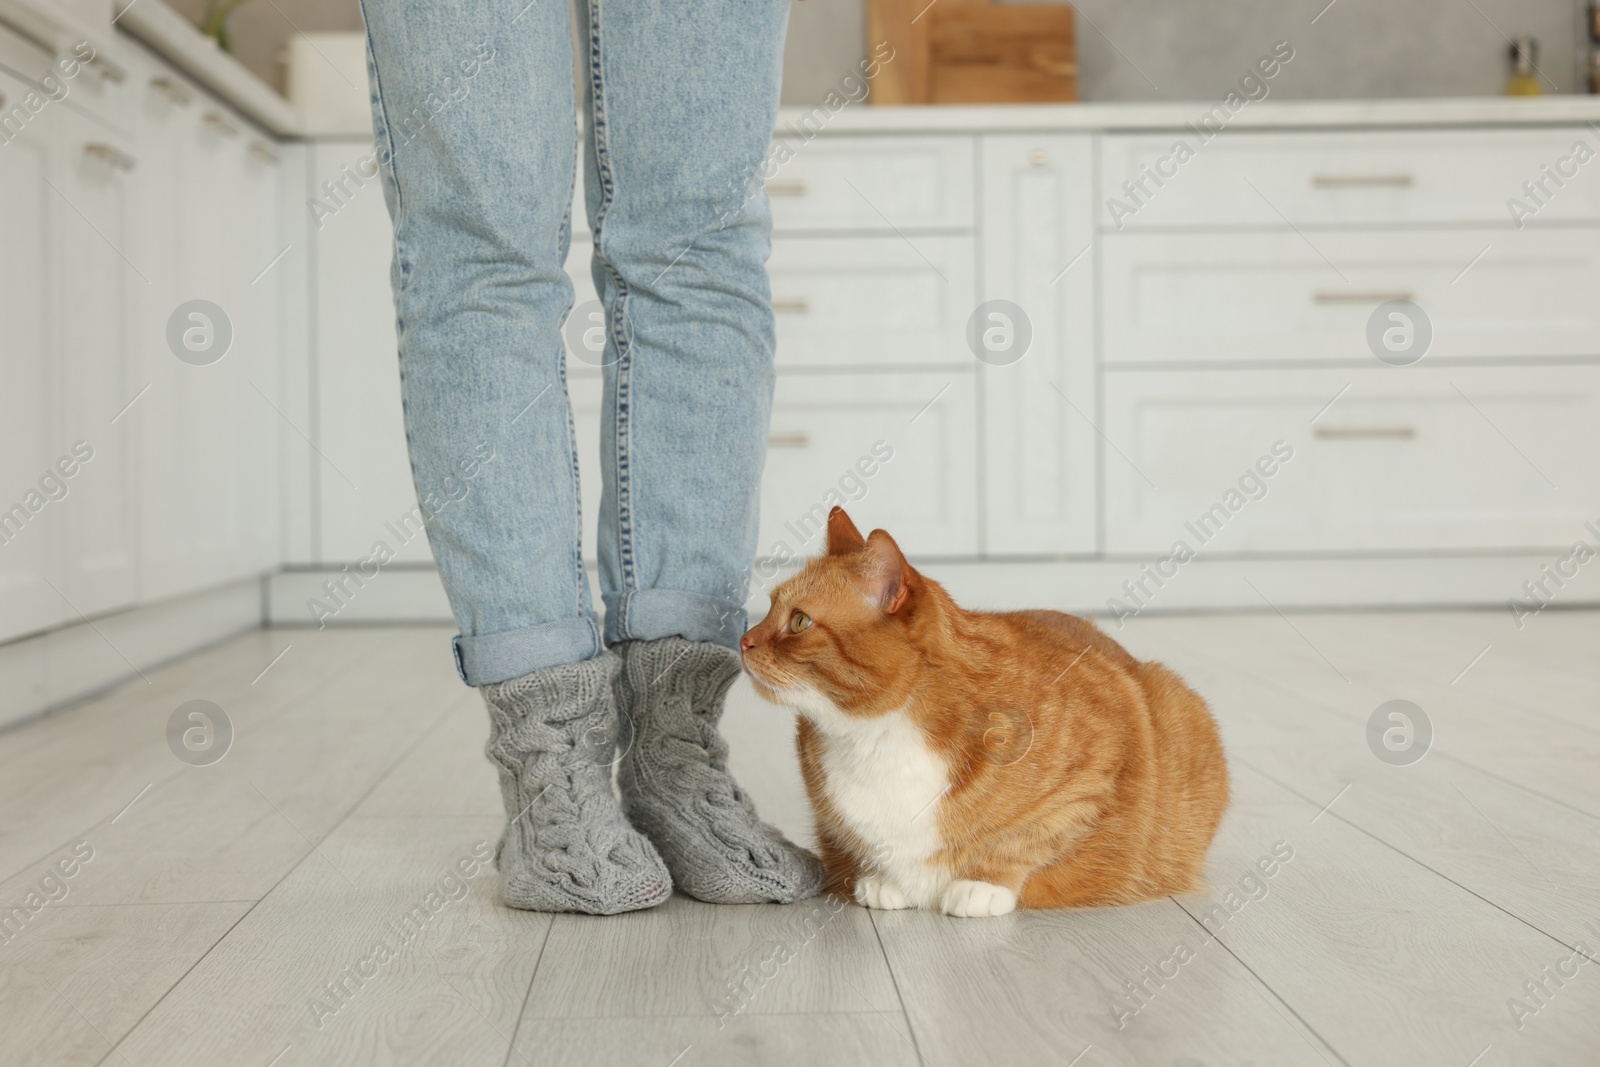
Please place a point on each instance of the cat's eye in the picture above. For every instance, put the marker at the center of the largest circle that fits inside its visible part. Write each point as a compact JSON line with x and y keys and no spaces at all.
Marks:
{"x":799,"y":621}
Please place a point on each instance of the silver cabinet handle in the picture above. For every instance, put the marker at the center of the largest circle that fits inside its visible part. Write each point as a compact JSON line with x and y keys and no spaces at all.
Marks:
{"x":111,"y":72}
{"x":1355,"y":433}
{"x":111,"y":156}
{"x":1353,"y":181}
{"x":1378,"y":297}
{"x":263,"y":151}
{"x":219,"y":122}
{"x":172,"y":90}
{"x":792,"y":306}
{"x":798,"y":439}
{"x":795,"y":188}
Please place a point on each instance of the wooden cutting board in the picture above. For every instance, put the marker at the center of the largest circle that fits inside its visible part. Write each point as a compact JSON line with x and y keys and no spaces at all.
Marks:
{"x":973,"y":52}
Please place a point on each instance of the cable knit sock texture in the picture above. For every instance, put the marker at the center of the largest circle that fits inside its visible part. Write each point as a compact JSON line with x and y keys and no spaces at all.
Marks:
{"x":676,"y":786}
{"x":568,"y":846}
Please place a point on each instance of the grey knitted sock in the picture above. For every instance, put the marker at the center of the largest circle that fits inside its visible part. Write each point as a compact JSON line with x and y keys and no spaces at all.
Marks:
{"x":567,"y":846}
{"x":676,"y":786}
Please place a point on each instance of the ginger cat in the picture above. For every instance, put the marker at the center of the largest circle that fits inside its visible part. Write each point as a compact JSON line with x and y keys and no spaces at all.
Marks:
{"x":976,"y":762}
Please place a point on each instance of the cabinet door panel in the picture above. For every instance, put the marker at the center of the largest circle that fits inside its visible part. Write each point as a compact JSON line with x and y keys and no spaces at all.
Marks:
{"x":1272,"y":298}
{"x":30,"y":524}
{"x":363,"y":476}
{"x":885,"y":184}
{"x":96,"y":278}
{"x":897,"y":450}
{"x":872,"y":301}
{"x":209,"y":436}
{"x":1412,"y":459}
{"x":1331,"y":178}
{"x":1039,"y":408}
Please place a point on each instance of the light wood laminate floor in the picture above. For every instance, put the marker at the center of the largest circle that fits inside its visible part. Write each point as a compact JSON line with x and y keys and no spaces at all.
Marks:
{"x":222,"y":904}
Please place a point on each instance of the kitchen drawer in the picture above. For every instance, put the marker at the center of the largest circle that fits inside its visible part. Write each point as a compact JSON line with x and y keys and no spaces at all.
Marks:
{"x":95,"y":88}
{"x":1327,"y":179}
{"x":827,"y":430}
{"x":877,"y":184}
{"x":1263,"y":297}
{"x":825,"y":426}
{"x":842,"y":302}
{"x":1423,"y":459}
{"x":855,"y":301}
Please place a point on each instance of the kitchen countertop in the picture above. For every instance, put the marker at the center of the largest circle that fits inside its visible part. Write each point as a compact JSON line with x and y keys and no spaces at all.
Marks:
{"x":174,"y":37}
{"x":1154,"y":117}
{"x":1441,"y":112}
{"x":177,"y":40}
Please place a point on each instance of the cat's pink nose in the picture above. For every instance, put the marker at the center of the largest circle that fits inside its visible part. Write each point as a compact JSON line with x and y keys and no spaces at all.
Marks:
{"x":747,"y":642}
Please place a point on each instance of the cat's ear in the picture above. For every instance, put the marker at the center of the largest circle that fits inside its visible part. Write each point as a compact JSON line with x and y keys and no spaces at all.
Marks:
{"x":843,"y":537}
{"x":889,"y":577}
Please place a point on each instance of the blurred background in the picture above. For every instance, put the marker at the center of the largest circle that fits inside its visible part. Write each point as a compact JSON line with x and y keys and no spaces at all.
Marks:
{"x":1077,"y":269}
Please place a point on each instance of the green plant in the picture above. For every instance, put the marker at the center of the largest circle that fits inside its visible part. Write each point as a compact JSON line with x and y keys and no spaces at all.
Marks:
{"x":215,"y":23}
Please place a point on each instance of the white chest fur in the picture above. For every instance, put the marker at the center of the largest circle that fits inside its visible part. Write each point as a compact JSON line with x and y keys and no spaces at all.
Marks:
{"x":885,"y":783}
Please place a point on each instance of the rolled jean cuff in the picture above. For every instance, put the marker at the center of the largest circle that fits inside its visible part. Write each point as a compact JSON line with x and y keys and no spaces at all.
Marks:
{"x":646,"y":614}
{"x":491,"y":658}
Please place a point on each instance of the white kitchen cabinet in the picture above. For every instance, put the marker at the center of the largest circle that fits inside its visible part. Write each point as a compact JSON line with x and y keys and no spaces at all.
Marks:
{"x":96,"y":283}
{"x":898,"y":451}
{"x":30,"y":523}
{"x":872,"y":302}
{"x":887,"y":185}
{"x":915,"y":433}
{"x":1252,"y":297}
{"x":1039,"y":409}
{"x":1161,"y":363}
{"x":1385,"y":459}
{"x":208,"y":434}
{"x":1331,"y":178}
{"x":362,"y":474}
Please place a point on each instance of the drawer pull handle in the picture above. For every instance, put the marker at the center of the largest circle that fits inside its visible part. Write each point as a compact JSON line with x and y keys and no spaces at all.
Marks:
{"x":1358,"y":181}
{"x":112,"y":157}
{"x":794,"y":306}
{"x":1381,"y":297}
{"x":786,"y":188}
{"x":263,"y":152}
{"x":171,"y":90}
{"x":800,"y":439}
{"x":1358,"y":433}
{"x":107,"y":70}
{"x":218,"y":122}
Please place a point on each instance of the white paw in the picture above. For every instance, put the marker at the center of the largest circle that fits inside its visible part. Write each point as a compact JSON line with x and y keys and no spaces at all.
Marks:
{"x":977,"y":899}
{"x":873,"y":891}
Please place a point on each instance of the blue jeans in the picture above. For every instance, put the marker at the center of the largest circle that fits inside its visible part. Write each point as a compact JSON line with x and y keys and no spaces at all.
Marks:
{"x":475,"y":112}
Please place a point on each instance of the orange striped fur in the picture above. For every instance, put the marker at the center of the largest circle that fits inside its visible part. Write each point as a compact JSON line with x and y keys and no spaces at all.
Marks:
{"x":1072,"y":773}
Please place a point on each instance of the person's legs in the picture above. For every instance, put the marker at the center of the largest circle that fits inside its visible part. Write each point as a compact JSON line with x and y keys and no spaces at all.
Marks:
{"x":683,"y":100}
{"x":475,"y":119}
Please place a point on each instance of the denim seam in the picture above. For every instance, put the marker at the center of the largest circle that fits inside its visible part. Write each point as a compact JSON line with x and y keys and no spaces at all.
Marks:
{"x":622,"y":413}
{"x":580,"y":579}
{"x":402,"y":269}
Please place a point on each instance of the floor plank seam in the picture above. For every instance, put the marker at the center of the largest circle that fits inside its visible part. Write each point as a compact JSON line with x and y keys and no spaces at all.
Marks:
{"x":527,"y":994}
{"x":117,"y":1047}
{"x":1420,"y":863}
{"x":911,"y":1029}
{"x":1263,"y":984}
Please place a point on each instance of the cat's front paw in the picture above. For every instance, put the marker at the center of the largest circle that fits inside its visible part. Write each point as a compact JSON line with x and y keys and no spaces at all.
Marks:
{"x":977,"y":899}
{"x":873,"y":891}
